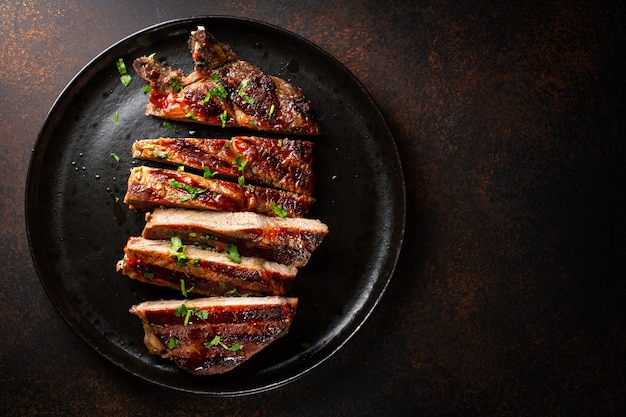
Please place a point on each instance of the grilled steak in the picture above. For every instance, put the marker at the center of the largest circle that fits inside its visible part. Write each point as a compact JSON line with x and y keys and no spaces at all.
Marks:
{"x":282,"y":163}
{"x":287,"y":241}
{"x":152,"y":187}
{"x":209,"y":336}
{"x":224,"y":91}
{"x":201,"y":271}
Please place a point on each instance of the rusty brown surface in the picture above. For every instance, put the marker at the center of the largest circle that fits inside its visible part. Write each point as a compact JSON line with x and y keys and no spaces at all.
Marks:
{"x":509,"y":295}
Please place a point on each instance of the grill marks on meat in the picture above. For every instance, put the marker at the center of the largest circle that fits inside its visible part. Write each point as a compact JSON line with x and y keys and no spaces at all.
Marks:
{"x":149,"y":188}
{"x":233,"y":331}
{"x":284,"y":163}
{"x":289,"y":241}
{"x":224,"y":90}
{"x":209,"y":273}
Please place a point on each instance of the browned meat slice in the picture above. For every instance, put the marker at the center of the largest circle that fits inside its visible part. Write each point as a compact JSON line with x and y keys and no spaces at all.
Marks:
{"x":209,"y":336}
{"x":149,"y":188}
{"x":289,"y":241}
{"x":224,"y":91}
{"x":200,"y":271}
{"x":282,"y":163}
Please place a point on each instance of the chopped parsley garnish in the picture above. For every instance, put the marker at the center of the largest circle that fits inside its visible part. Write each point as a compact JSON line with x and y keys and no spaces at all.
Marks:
{"x":271,"y":113}
{"x":279,"y":210}
{"x":280,"y":143}
{"x":183,"y":288}
{"x":116,"y":118}
{"x":233,"y":254}
{"x":191,"y":116}
{"x":241,"y":180}
{"x":178,"y":251}
{"x":242,"y":93}
{"x":193,"y":191}
{"x":218,"y":91}
{"x":175,"y":84}
{"x":172,"y":342}
{"x":148,"y":275}
{"x":162,"y":155}
{"x":185,"y":312}
{"x":215,"y":76}
{"x":207,"y":172}
{"x":146,"y":89}
{"x":125,"y":78}
{"x":217,"y":340}
{"x":115,"y":156}
{"x":223,"y":118}
{"x":240,"y":163}
{"x":199,"y":63}
{"x":169,"y":125}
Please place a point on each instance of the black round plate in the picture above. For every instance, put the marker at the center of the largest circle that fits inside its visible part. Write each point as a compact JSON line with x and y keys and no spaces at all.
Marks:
{"x":78,"y":226}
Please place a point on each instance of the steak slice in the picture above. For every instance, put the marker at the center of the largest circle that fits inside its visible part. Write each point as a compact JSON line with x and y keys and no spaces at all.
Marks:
{"x":282,"y":163}
{"x":209,"y":336}
{"x":289,"y":241}
{"x":201,"y":271}
{"x":225,"y":91}
{"x":149,"y":188}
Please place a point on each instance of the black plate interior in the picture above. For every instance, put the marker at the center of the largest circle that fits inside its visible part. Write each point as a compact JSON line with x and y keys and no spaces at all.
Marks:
{"x":78,"y":225}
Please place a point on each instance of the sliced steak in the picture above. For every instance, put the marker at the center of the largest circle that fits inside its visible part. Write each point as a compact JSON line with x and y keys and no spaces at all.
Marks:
{"x":149,"y":188}
{"x":225,"y":91}
{"x":282,"y":163}
{"x":209,"y":336}
{"x":289,"y":241}
{"x":201,"y":271}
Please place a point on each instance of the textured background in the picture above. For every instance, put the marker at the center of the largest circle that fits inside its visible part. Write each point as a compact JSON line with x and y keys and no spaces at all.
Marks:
{"x":508,"y":297}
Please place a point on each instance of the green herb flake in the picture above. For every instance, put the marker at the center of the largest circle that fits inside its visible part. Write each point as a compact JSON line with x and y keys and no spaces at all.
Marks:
{"x":115,"y":156}
{"x":271,"y":113}
{"x":116,"y":118}
{"x":199,"y":63}
{"x":148,"y":275}
{"x":172,"y":342}
{"x":191,"y":116}
{"x":240,"y":163}
{"x":175,"y":84}
{"x":146,"y":89}
{"x":178,"y":251}
{"x":193,"y":191}
{"x":280,"y":143}
{"x":242,"y":93}
{"x":184,"y":311}
{"x":169,"y":125}
{"x":241,"y":180}
{"x":184,"y":290}
{"x":233,"y":254}
{"x":279,"y":210}
{"x":213,"y":341}
{"x":215,"y":76}
{"x":202,"y":314}
{"x":207,"y":172}
{"x":223,"y":118}
{"x":125,"y":78}
{"x":217,"y":340}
